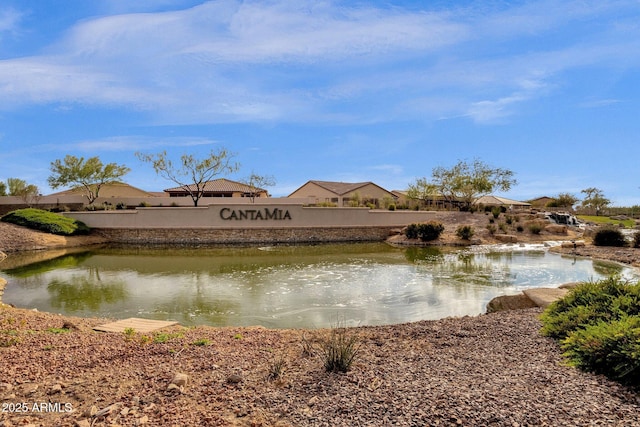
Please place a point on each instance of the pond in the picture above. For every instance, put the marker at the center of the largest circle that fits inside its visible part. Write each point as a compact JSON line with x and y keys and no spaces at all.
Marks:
{"x":291,"y":286}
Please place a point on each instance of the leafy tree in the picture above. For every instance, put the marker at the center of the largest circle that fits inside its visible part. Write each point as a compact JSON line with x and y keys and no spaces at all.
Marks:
{"x":257,"y":183}
{"x":91,"y":174}
{"x":3,"y":189}
{"x":594,"y":200}
{"x":422,"y":190}
{"x":565,"y":200}
{"x":191,"y":174}
{"x":19,"y":187}
{"x":466,"y":182}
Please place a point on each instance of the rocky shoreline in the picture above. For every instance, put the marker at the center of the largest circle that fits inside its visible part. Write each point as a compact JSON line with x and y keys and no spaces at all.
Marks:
{"x":488,"y":370}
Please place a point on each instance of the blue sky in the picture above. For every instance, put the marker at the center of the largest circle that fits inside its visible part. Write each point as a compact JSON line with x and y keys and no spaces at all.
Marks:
{"x":380,"y":91}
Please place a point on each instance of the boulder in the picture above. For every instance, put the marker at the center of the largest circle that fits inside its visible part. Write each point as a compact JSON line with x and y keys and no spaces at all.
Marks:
{"x":542,"y":297}
{"x":507,"y":238}
{"x":574,"y":244}
{"x":510,"y":302}
{"x":556,"y":229}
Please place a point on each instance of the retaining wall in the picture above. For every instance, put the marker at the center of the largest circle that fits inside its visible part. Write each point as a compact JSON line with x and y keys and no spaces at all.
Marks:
{"x":241,"y":223}
{"x":227,"y":236}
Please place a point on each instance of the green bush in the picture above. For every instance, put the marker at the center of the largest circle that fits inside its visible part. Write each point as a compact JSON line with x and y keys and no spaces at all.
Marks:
{"x":430,"y":230}
{"x":535,"y":228}
{"x":48,"y":222}
{"x":590,"y":303}
{"x":411,"y":231}
{"x":598,"y":324}
{"x":636,"y":240}
{"x":608,"y":348}
{"x":609,"y":236}
{"x":426,"y":231}
{"x":465,"y":232}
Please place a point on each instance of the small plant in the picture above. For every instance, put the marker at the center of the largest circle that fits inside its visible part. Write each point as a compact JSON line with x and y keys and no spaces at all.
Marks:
{"x":201,"y":342}
{"x":163,"y":337}
{"x":277,"y":368}
{"x":503,"y":227}
{"x":609,"y":236}
{"x":129,"y":333}
{"x":508,"y":219}
{"x":636,"y":240}
{"x":495,"y":211}
{"x":519,"y":229}
{"x":339,"y":349}
{"x":238,"y":336}
{"x":58,"y":330}
{"x":535,"y":228}
{"x":492,"y":229}
{"x":465,"y":232}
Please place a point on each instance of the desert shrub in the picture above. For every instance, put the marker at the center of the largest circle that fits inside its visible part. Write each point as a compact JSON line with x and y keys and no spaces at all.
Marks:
{"x":609,"y":236}
{"x":411,"y":231}
{"x":608,"y":348}
{"x":144,"y":205}
{"x":495,"y":211}
{"x":430,"y":230}
{"x":519,"y":229}
{"x":503,"y":227}
{"x":48,"y":222}
{"x":598,"y":324}
{"x":508,"y":219}
{"x":339,"y":349}
{"x":636,"y":240}
{"x":535,"y":228}
{"x":392,"y":207}
{"x":465,"y":232}
{"x":590,"y":303}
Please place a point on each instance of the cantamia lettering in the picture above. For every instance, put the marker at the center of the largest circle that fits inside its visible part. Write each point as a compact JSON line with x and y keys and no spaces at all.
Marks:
{"x":254,"y":214}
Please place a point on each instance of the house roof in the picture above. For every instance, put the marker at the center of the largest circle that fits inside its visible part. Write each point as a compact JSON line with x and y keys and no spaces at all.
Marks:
{"x":114,"y":189}
{"x":495,"y":200}
{"x":342,"y":188}
{"x":221,"y":185}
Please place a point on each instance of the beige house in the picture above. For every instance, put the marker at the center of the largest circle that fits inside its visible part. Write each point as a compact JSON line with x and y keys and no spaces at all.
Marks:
{"x":509,"y":204}
{"x":344,"y":193}
{"x":220,"y":188}
{"x":108,"y":191}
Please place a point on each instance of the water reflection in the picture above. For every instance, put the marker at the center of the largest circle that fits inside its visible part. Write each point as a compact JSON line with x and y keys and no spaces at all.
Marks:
{"x":289,"y":286}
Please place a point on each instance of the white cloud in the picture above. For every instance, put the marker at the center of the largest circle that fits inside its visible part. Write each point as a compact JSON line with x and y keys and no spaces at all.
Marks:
{"x":230,"y":61}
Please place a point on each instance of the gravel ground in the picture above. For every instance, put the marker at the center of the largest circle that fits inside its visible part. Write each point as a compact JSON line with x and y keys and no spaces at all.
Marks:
{"x":488,"y":370}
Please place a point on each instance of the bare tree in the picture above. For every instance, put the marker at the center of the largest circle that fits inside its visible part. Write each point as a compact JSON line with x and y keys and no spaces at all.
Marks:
{"x":256,"y":184}
{"x":191,"y":174}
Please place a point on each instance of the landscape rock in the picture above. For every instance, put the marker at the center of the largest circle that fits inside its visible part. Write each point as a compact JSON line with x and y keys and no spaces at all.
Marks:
{"x":556,"y":229}
{"x":510,"y":302}
{"x":506,"y":238}
{"x":180,"y":379}
{"x":574,"y":244}
{"x":542,"y":297}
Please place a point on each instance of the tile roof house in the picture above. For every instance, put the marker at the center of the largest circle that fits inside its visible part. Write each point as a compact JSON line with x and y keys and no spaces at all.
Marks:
{"x":109,"y":190}
{"x":220,"y":188}
{"x":343,"y":193}
{"x":503,"y":202}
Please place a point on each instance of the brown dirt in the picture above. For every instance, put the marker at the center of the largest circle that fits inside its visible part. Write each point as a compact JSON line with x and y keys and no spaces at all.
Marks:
{"x":489,"y":370}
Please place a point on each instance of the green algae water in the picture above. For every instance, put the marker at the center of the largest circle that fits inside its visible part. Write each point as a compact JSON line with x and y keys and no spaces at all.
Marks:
{"x":291,"y":286}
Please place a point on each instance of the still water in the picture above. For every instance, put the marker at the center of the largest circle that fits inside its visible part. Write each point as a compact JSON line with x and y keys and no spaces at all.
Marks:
{"x":291,"y":286}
